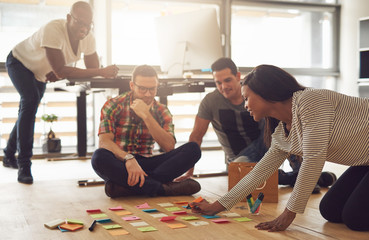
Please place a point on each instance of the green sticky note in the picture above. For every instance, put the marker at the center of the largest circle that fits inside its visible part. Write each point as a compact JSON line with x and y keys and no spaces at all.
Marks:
{"x":113,"y":226}
{"x":172,"y":209}
{"x":242,"y":219}
{"x":147,"y":229}
{"x":99,"y":215}
{"x":74,"y":221}
{"x":189,"y":218}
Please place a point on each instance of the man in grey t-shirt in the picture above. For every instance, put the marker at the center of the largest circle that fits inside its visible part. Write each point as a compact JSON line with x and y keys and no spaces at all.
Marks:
{"x":237,"y":132}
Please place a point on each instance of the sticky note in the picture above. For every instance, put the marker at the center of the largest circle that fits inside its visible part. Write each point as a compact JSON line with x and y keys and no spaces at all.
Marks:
{"x":168,"y":218}
{"x":150,"y":210}
{"x":179,"y":212}
{"x":113,"y":226}
{"x":176,"y":225}
{"x":131,"y":218}
{"x":199,"y":223}
{"x":189,"y":218}
{"x":122,"y":213}
{"x":74,"y":221}
{"x":93,"y":210}
{"x":158,"y":215}
{"x":231,"y":215}
{"x":105,"y":220}
{"x":99,"y":215}
{"x":145,"y":205}
{"x":210,"y":217}
{"x":118,"y":232}
{"x":147,"y":229}
{"x":242,"y":219}
{"x":172,"y":209}
{"x":139,"y":224}
{"x":199,"y":199}
{"x":220,"y":220}
{"x":116,"y":208}
{"x":54,"y":223}
{"x":71,"y":227}
{"x":63,"y":230}
{"x":165,"y":204}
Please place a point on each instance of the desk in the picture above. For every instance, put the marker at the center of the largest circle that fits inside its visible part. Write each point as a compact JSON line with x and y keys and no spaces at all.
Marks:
{"x":167,"y":87}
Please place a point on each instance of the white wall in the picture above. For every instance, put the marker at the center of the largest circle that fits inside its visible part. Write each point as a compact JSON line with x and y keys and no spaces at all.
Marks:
{"x":351,"y":11}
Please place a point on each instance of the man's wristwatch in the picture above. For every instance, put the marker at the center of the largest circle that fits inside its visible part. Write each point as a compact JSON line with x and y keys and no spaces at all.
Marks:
{"x":128,"y":157}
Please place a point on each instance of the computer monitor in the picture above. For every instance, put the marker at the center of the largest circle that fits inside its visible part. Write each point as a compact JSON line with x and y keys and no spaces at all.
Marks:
{"x":188,"y":41}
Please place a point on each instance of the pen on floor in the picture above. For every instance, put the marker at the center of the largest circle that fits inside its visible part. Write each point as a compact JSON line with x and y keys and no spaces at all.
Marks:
{"x":257,"y":203}
{"x":91,"y":228}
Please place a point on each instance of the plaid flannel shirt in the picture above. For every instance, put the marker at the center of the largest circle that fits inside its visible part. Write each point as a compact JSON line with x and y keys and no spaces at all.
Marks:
{"x":130,"y":131}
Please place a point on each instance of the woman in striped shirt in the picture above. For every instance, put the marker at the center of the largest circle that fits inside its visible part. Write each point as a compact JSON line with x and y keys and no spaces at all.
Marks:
{"x":320,"y":125}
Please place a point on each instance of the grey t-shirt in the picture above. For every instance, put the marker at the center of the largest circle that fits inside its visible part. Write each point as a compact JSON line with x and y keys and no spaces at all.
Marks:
{"x":234,"y":126}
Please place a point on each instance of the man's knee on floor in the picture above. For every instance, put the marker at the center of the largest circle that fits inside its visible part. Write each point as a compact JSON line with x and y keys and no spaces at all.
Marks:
{"x":98,"y":157}
{"x":194,"y":150}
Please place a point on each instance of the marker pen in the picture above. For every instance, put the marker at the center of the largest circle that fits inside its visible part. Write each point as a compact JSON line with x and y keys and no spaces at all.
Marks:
{"x":257,"y":203}
{"x":91,"y":228}
{"x":248,"y":198}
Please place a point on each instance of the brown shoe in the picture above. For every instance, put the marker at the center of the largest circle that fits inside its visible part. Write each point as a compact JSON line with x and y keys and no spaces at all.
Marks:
{"x":114,"y":190}
{"x":186,"y":187}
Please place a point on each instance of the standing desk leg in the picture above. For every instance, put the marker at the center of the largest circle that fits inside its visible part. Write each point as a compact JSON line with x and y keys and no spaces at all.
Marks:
{"x":81,"y":124}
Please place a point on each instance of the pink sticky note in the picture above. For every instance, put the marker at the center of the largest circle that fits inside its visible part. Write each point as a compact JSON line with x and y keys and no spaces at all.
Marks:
{"x":93,"y":210}
{"x":180,"y":212}
{"x":131,"y":218}
{"x":220,"y":220}
{"x":168,"y":218}
{"x":116,"y":208}
{"x":145,"y":205}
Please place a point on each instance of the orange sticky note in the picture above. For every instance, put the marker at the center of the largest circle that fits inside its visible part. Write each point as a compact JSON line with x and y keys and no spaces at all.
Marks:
{"x":117,"y":232}
{"x":199,"y":199}
{"x":176,"y":225}
{"x":181,"y":202}
{"x":122,"y":213}
{"x":71,"y":227}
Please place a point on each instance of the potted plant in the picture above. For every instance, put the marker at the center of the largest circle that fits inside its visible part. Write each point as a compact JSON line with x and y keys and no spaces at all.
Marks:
{"x":52,"y":144}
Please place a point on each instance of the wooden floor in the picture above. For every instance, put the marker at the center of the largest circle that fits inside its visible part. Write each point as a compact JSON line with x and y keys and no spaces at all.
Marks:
{"x":55,"y":194}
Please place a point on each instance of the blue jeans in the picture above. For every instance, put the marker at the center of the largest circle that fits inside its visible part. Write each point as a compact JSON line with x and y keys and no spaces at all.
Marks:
{"x":31,"y":92}
{"x":253,"y":152}
{"x":160,"y":169}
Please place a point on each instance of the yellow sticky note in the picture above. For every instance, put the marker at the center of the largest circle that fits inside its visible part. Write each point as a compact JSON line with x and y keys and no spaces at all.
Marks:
{"x":147,"y":229}
{"x":99,"y":215}
{"x":172,"y":209}
{"x":113,"y":226}
{"x":242,"y":219}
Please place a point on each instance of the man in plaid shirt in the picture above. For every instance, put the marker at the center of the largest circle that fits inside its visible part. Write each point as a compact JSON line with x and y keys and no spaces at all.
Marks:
{"x":130,"y":125}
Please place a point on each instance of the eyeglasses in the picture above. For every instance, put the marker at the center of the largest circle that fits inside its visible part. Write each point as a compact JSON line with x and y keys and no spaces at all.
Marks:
{"x":81,"y":23}
{"x":142,"y":89}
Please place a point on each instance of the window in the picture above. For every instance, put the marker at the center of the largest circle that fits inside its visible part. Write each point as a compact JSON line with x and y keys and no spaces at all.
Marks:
{"x":297,"y":37}
{"x":134,"y":38}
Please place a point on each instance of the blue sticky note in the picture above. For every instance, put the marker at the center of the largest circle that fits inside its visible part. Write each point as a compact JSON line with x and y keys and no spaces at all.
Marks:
{"x":63,"y":230}
{"x":105,"y":220}
{"x":150,"y":210}
{"x":210,"y":217}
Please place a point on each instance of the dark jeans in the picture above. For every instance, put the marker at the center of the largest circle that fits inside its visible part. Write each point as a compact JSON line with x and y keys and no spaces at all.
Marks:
{"x":31,"y":92}
{"x":254,"y":151}
{"x":160,"y":168}
{"x":347,"y":200}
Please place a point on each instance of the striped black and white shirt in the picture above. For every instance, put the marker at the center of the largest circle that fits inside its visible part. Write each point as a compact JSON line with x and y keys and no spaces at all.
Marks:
{"x":326,"y":126}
